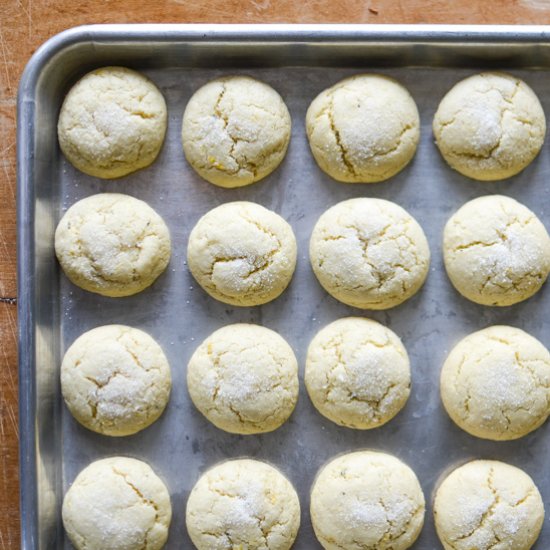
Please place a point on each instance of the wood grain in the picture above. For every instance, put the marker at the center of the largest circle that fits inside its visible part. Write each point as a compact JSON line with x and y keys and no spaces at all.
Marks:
{"x":9,"y":434}
{"x":25,"y":24}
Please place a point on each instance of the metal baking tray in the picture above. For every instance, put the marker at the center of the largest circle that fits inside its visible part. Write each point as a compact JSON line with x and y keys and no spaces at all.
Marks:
{"x":299,"y":61}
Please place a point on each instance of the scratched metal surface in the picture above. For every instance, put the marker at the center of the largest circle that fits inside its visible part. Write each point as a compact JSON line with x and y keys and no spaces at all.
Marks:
{"x":179,"y":315}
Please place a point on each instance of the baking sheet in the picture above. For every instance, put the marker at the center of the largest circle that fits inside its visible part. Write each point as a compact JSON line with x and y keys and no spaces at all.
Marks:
{"x":179,"y":315}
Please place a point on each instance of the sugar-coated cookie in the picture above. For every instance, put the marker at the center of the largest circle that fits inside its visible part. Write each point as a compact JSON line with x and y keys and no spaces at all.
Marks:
{"x":112,"y":122}
{"x":242,"y":253}
{"x":244,"y":379}
{"x":117,"y":503}
{"x":369,"y":253}
{"x":487,"y":505}
{"x":363,"y":129}
{"x":357,"y":373}
{"x":243,"y":504}
{"x":495,"y":383}
{"x":367,"y":500}
{"x":489,"y":126}
{"x":496,"y":251}
{"x":112,"y":244}
{"x":235,"y":131}
{"x":115,"y":380}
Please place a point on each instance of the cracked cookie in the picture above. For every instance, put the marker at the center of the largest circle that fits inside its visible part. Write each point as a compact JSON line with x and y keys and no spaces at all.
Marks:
{"x":357,"y":373}
{"x":243,"y":504}
{"x":242,"y":253}
{"x":487,"y":505}
{"x":369,"y":253}
{"x":363,"y":129}
{"x":367,"y":500}
{"x":112,"y":244}
{"x":489,"y":126}
{"x":495,"y":383}
{"x":235,"y":131}
{"x":112,"y":123}
{"x":496,"y":251}
{"x":115,"y":380}
{"x":244,"y":379}
{"x":117,"y":503}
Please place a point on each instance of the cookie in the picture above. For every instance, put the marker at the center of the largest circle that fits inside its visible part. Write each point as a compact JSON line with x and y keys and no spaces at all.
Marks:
{"x":487,"y":504}
{"x":242,"y":253}
{"x":112,"y":244}
{"x":489,"y":126}
{"x":363,"y":129}
{"x":369,"y":253}
{"x":243,"y":504}
{"x":115,"y":380}
{"x":244,"y":379}
{"x":357,"y":373}
{"x":367,"y":500}
{"x":495,"y":383}
{"x":117,"y":503}
{"x":496,"y":251}
{"x":112,"y":122}
{"x":235,"y":131}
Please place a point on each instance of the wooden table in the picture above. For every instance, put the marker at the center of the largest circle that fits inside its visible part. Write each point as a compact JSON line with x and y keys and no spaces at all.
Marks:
{"x":25,"y":24}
